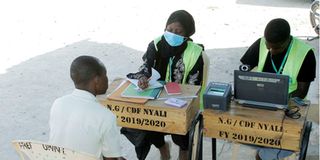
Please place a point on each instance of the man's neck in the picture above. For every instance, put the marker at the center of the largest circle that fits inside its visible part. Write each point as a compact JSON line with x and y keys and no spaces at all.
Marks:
{"x":86,"y":88}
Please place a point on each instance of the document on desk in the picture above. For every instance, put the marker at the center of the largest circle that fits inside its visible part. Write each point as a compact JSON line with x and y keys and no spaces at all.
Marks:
{"x":153,"y":80}
{"x":187,"y":92}
{"x":132,"y":92}
{"x":116,"y":95}
{"x":172,"y":88}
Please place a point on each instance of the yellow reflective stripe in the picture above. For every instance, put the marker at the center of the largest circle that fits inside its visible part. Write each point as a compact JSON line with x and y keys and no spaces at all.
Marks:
{"x":190,"y":58}
{"x":263,"y":52}
{"x":294,"y":62}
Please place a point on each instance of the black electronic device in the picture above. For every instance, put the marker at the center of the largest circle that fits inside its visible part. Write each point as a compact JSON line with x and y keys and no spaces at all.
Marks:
{"x":217,"y":96}
{"x":261,"y":89}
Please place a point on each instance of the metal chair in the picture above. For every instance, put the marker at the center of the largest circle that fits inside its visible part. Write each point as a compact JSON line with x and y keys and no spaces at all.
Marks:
{"x":33,"y":150}
{"x":195,"y":138}
{"x":196,"y":132}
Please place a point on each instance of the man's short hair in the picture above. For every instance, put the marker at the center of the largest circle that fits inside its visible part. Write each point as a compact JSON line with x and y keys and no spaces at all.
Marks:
{"x":85,"y":68}
{"x":277,"y":30}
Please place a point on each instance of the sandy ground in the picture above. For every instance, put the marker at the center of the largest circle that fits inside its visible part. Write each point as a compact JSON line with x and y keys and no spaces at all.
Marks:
{"x":40,"y":39}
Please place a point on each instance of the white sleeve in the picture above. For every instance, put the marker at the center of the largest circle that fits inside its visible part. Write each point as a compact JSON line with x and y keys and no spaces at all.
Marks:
{"x":111,"y":139}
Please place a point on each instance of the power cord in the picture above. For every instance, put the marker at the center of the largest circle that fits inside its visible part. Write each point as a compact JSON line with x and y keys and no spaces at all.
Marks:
{"x":222,"y":148}
{"x":282,"y":133}
{"x":292,"y":112}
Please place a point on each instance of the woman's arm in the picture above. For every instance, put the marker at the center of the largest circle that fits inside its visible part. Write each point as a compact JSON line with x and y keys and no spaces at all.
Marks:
{"x":145,"y":72}
{"x":148,"y":62}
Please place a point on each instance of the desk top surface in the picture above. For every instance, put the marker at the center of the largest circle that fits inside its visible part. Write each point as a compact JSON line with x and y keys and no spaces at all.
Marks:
{"x":187,"y":91}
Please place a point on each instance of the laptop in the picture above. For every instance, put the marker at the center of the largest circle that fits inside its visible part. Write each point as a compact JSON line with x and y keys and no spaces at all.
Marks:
{"x":261,"y":90}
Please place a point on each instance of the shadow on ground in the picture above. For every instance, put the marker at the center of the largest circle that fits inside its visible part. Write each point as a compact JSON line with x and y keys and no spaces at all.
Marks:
{"x":277,"y":3}
{"x":29,"y":88}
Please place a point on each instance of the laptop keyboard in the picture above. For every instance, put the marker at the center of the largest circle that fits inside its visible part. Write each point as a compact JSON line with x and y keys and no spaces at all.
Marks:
{"x":261,"y":105}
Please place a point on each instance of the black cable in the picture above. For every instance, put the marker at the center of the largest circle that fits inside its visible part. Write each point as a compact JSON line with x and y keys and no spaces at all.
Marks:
{"x":282,"y":133}
{"x":293,"y":113}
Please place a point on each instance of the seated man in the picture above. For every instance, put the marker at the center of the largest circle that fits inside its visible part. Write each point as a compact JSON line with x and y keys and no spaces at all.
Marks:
{"x":279,"y":52}
{"x":78,"y":121}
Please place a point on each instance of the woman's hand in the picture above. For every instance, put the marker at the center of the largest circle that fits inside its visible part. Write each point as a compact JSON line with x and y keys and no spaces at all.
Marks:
{"x":143,"y":82}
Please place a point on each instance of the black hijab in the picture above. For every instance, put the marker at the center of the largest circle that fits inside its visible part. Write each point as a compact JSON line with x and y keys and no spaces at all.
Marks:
{"x":185,"y":19}
{"x":187,"y":22}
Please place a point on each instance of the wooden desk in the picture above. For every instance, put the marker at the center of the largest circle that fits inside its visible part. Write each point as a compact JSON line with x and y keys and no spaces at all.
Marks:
{"x":155,"y":115}
{"x":256,"y":126}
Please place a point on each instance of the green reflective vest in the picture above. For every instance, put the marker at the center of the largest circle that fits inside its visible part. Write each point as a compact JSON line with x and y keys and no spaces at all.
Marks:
{"x":189,"y":57}
{"x":296,"y":56}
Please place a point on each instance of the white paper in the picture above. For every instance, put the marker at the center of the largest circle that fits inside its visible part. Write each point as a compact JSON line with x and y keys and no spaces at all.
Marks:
{"x":153,"y":83}
{"x":175,"y":102}
{"x":155,"y":75}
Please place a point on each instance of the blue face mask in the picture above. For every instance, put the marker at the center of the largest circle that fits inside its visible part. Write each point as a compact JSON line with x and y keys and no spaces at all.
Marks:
{"x":173,"y":39}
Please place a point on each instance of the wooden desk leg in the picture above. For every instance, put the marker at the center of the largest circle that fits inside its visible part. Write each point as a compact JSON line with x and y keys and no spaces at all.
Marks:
{"x":214,"y":149}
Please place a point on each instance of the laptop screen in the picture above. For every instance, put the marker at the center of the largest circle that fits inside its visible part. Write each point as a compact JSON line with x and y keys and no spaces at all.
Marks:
{"x":261,"y":89}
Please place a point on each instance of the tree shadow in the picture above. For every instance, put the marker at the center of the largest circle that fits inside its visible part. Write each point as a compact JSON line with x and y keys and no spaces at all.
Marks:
{"x":29,"y":88}
{"x":277,"y":3}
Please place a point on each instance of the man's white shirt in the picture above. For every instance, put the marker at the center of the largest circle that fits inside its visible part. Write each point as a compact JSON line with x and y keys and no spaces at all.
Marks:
{"x":78,"y":121}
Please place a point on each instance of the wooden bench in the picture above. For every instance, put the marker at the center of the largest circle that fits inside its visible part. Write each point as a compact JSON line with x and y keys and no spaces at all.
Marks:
{"x":34,"y":150}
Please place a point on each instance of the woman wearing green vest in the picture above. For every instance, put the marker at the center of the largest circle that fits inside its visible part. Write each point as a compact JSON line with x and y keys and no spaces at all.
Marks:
{"x":279,"y":52}
{"x":178,"y":59}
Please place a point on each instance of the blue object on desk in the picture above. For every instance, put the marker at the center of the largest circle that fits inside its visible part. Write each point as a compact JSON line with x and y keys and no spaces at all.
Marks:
{"x":299,"y":101}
